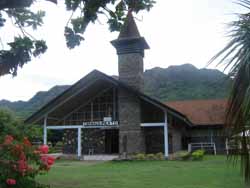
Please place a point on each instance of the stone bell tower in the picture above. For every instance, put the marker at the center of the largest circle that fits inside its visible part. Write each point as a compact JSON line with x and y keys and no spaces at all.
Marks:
{"x":130,"y":48}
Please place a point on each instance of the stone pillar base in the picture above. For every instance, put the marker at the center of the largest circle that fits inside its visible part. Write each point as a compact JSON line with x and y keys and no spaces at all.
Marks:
{"x":69,"y":142}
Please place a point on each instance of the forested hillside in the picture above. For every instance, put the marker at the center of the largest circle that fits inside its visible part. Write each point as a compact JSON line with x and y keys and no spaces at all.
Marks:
{"x":186,"y":82}
{"x":182,"y":82}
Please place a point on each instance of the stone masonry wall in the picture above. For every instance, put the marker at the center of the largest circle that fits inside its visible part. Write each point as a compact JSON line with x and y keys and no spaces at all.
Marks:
{"x":93,"y":139}
{"x":131,"y":137}
{"x":176,"y":140}
{"x":70,"y":141}
{"x":131,"y":70}
{"x":154,"y":139}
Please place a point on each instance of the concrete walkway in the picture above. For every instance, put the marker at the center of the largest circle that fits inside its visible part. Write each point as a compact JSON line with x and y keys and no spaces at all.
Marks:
{"x":85,"y":157}
{"x":100,"y":157}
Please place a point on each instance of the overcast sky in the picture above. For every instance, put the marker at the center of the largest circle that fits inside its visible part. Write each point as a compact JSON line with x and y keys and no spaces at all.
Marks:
{"x":178,"y":32}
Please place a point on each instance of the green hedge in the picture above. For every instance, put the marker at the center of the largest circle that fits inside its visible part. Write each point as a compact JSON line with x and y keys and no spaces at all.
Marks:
{"x":185,"y":155}
{"x":198,"y":155}
{"x":151,"y":156}
{"x":182,"y":155}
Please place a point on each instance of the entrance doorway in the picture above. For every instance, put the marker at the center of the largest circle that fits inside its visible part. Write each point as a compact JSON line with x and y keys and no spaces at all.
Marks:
{"x":112,"y":141}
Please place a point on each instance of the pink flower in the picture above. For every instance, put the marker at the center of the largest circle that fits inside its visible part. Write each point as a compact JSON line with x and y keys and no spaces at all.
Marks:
{"x":44,"y":158}
{"x":22,"y":167}
{"x":8,"y":139}
{"x":10,"y":181}
{"x":44,"y":149}
{"x":26,"y":142}
{"x":22,"y":156}
{"x":49,"y":160}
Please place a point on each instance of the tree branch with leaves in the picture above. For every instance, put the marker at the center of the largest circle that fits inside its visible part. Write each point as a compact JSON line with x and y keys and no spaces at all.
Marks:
{"x":24,"y":47}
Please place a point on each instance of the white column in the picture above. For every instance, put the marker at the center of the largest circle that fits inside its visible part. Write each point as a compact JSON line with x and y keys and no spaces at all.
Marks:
{"x":79,"y":146}
{"x":189,"y":148}
{"x":166,"y":135}
{"x":45,"y":130}
{"x":227,"y":148}
{"x":114,"y":105}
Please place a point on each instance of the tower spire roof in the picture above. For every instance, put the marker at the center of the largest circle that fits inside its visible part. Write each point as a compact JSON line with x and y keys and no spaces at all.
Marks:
{"x":129,"y":29}
{"x":129,"y":39}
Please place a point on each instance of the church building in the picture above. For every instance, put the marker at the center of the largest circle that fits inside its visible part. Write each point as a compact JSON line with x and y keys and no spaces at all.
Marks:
{"x":101,"y":114}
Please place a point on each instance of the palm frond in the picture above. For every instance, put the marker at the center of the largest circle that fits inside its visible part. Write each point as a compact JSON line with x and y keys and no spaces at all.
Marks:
{"x":244,"y":3}
{"x":235,"y":56}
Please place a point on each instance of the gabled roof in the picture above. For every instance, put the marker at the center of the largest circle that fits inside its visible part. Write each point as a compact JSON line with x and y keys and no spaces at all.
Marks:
{"x":202,"y":112}
{"x":86,"y":87}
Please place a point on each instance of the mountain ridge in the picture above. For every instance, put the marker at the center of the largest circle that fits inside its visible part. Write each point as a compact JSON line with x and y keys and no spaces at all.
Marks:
{"x":177,"y":82}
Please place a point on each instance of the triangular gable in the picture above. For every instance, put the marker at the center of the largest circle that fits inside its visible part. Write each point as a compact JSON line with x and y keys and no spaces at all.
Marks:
{"x":87,"y":83}
{"x":91,"y":83}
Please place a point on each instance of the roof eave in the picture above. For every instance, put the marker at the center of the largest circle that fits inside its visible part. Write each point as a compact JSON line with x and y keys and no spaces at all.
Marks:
{"x":99,"y":75}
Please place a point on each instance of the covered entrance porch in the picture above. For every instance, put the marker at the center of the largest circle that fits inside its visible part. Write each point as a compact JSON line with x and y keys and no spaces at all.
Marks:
{"x":90,"y":140}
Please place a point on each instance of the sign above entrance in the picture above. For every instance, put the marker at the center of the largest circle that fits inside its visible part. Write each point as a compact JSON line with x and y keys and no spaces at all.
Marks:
{"x":100,"y":123}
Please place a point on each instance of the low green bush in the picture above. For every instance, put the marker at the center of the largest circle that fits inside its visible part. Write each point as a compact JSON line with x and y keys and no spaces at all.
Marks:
{"x":52,"y":150}
{"x":182,"y":155}
{"x":198,"y":155}
{"x":59,"y":144}
{"x":159,"y":156}
{"x":139,"y":156}
{"x":151,"y":156}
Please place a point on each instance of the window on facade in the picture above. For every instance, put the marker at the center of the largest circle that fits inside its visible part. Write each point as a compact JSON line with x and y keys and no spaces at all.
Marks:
{"x":103,"y":105}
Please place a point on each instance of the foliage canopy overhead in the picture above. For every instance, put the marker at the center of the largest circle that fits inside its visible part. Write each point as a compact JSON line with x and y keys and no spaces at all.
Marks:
{"x":25,"y":46}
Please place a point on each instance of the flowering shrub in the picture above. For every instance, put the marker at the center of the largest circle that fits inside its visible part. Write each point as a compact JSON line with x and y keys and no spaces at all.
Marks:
{"x":20,"y":162}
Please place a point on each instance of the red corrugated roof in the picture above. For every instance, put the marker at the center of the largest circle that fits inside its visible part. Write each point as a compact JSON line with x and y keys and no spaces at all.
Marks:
{"x":202,"y":112}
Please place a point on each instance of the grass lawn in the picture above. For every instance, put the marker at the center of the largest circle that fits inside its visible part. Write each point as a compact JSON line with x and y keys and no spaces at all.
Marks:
{"x":212,"y":172}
